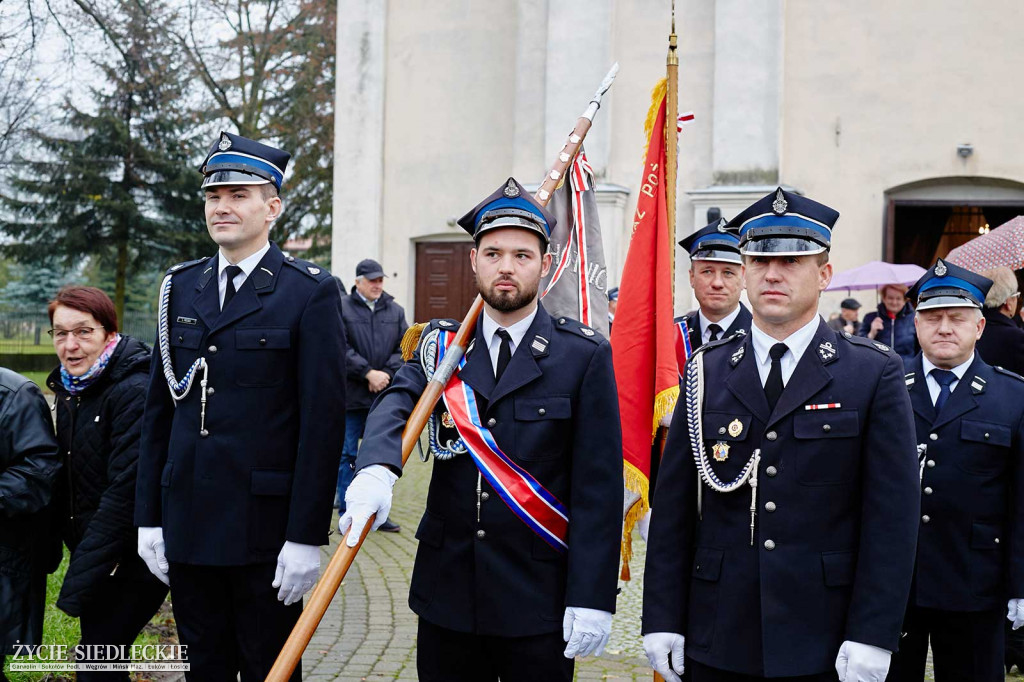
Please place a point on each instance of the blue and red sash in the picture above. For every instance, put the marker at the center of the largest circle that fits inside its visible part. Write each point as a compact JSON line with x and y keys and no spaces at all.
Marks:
{"x":525,"y":496}
{"x":683,"y":346}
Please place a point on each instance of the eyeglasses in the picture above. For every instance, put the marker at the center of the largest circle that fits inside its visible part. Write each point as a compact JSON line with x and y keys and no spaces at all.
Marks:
{"x":82,"y":333}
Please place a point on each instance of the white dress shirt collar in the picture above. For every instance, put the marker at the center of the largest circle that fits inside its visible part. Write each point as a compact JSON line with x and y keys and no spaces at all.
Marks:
{"x":247,"y":264}
{"x":933,"y":386}
{"x":516,"y":331}
{"x":796,"y":343}
{"x":724,"y":323}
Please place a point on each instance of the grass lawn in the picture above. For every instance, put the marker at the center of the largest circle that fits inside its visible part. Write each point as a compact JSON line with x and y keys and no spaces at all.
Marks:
{"x":27,"y":347}
{"x":60,"y":628}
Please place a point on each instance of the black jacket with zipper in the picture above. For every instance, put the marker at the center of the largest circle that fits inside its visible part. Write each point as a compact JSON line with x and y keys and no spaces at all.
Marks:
{"x":374,"y":342}
{"x":98,"y":432}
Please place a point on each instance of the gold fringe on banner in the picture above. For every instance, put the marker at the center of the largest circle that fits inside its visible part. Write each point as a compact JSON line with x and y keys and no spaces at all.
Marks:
{"x":412,"y":339}
{"x":658,"y":94}
{"x":664,"y":404}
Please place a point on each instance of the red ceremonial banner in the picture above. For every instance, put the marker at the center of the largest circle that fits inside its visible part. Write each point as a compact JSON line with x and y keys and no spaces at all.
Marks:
{"x":643,"y":335}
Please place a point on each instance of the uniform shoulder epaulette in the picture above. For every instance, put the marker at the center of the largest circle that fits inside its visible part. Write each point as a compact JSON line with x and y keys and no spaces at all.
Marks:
{"x":863,"y":341}
{"x":184,"y":266}
{"x":447,"y":324}
{"x":567,"y":324}
{"x":1003,"y":370}
{"x":306,"y":267}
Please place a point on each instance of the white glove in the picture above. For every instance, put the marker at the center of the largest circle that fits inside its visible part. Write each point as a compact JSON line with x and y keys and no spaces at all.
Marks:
{"x":585,"y":630}
{"x":298,"y":567}
{"x":665,"y":654}
{"x":666,"y":420}
{"x":644,"y":525}
{"x":1015,"y":612}
{"x":368,"y":494}
{"x":858,"y":662}
{"x":151,"y":549}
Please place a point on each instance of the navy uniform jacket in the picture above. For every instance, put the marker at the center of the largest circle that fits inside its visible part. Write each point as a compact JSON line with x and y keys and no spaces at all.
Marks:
{"x":692,"y":318}
{"x":837,"y":503}
{"x":555,"y":413}
{"x":970,"y":551}
{"x":275,"y":414}
{"x":1002,"y":343}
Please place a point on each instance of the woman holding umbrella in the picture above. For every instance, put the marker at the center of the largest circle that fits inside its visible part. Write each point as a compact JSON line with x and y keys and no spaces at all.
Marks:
{"x":893,"y":323}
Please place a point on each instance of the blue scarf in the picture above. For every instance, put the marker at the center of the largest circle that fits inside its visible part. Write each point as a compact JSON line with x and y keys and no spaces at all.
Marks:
{"x":75,"y":385}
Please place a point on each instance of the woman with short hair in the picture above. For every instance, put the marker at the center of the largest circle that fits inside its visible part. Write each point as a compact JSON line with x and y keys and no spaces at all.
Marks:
{"x":100,"y":386}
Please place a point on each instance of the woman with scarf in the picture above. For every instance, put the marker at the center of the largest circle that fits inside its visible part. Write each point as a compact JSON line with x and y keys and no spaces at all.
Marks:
{"x":101,"y":388}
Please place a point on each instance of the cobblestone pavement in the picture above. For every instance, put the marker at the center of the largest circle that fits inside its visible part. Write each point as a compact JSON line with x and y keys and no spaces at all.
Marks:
{"x":369,"y":633}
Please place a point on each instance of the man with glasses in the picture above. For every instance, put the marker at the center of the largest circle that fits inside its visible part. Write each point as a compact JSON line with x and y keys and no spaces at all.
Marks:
{"x":1002,"y":344}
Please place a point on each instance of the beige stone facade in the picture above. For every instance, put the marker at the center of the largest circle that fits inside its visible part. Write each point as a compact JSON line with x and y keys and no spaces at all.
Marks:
{"x":859,"y":105}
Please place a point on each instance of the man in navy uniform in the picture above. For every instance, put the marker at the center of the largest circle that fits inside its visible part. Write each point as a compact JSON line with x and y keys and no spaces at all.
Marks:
{"x":244,"y":424}
{"x":783,"y":544}
{"x":970,"y":430}
{"x":518,"y":547}
{"x":716,"y":277}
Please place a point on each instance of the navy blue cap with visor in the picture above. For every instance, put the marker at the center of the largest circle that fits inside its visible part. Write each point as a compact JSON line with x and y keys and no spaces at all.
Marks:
{"x":613,"y":294}
{"x":237,"y":160}
{"x":784,"y":224}
{"x":947,"y":285}
{"x":713,"y":242}
{"x":509,"y":206}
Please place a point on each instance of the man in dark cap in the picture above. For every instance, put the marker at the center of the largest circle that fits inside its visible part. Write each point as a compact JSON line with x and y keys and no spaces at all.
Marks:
{"x":847,"y":320}
{"x":519,"y":544}
{"x":374,"y":326}
{"x":783,"y":543}
{"x":970,"y":429}
{"x":716,"y":276}
{"x":244,"y":423}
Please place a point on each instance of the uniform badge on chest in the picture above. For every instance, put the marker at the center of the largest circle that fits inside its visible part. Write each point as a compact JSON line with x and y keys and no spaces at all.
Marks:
{"x":735,"y":429}
{"x":720,"y":451}
{"x":447,"y":421}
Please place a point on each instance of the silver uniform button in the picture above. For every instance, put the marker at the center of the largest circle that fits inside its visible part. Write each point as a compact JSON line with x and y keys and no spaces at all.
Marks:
{"x":933,"y":436}
{"x":770,"y":506}
{"x":926,"y":519}
{"x":481,"y":534}
{"x":826,"y":428}
{"x":209,"y":390}
{"x":541,"y":411}
{"x":485,"y":496}
{"x":997,"y":541}
{"x":721,"y":429}
{"x":771,"y":435}
{"x":204,"y":433}
{"x":928,"y":491}
{"x":491,"y":422}
{"x":212,"y":350}
{"x":769,"y":545}
{"x":930,"y":464}
{"x":771,"y":471}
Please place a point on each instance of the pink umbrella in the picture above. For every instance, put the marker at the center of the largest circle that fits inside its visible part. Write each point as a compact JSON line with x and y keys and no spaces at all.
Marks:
{"x":1002,"y":247}
{"x":876,"y":274}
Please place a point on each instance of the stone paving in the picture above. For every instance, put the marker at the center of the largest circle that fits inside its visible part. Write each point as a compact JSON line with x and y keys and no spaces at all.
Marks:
{"x":369,"y":632}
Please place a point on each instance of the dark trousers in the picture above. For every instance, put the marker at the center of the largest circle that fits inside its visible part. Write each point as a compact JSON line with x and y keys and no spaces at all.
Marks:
{"x":966,"y":646}
{"x":231,"y":620}
{"x":699,"y":672}
{"x":355,"y":424}
{"x":444,"y":655}
{"x":121,"y":608}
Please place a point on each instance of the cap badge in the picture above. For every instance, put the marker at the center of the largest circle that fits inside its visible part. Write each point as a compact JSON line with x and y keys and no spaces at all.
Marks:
{"x":511,"y":191}
{"x":722,"y":222}
{"x":735,"y":428}
{"x":720,"y":451}
{"x":312,"y":270}
{"x":224,"y":144}
{"x":940,"y":269}
{"x":780,"y":205}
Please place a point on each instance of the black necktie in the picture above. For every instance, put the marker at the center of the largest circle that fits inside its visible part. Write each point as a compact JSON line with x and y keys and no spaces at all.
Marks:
{"x":715,"y":331}
{"x":773,"y":386}
{"x":231,"y":271}
{"x":504,"y":352}
{"x":945,"y":378}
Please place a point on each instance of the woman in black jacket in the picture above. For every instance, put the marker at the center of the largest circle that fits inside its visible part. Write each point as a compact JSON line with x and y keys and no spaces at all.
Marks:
{"x":100,"y":387}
